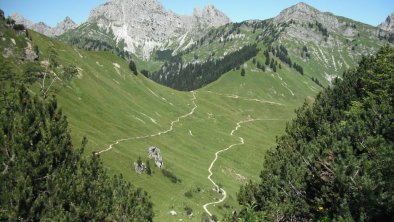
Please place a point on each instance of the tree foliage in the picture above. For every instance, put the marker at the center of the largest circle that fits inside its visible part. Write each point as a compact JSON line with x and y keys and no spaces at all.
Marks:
{"x":335,"y":160}
{"x":133,"y":67}
{"x":44,"y":177}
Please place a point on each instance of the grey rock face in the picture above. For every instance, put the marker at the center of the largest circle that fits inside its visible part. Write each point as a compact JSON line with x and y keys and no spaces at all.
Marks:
{"x":64,"y":26}
{"x":154,"y":153}
{"x":30,"y":55}
{"x":305,"y":13}
{"x":43,"y":28}
{"x":139,"y":168}
{"x":388,"y":25}
{"x":306,"y":18}
{"x":145,"y":25}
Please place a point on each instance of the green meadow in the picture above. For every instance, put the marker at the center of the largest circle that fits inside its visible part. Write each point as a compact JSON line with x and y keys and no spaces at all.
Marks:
{"x":107,"y":103}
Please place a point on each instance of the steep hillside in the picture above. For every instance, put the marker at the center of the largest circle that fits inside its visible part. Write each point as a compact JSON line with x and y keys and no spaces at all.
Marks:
{"x":43,"y":175}
{"x":18,"y":52}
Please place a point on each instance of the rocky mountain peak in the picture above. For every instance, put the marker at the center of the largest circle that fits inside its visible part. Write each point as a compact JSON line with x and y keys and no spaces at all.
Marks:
{"x":145,"y":25}
{"x":19,"y":19}
{"x":305,"y":13}
{"x":298,"y":12}
{"x":64,"y":26}
{"x":197,"y":12}
{"x":388,"y":24}
{"x":68,"y":20}
{"x":43,"y":28}
{"x":212,"y":16}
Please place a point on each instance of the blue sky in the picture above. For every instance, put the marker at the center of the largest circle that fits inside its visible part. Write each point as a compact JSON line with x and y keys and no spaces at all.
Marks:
{"x":53,"y":11}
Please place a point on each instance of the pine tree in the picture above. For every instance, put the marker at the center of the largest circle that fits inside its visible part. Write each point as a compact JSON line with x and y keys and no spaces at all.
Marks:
{"x":243,"y":72}
{"x":258,"y":65}
{"x":133,"y":67}
{"x":44,"y":177}
{"x":267,"y":60}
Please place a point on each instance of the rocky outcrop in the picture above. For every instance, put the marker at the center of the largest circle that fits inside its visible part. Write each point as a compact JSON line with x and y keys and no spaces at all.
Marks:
{"x":41,"y":27}
{"x":139,"y":167}
{"x":30,"y":54}
{"x":145,"y":25}
{"x":154,"y":153}
{"x":388,"y":24}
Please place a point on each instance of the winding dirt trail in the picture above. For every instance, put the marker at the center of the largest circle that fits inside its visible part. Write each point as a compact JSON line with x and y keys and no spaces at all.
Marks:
{"x":221,"y":190}
{"x":233,"y":96}
{"x":171,"y":128}
{"x":241,"y":142}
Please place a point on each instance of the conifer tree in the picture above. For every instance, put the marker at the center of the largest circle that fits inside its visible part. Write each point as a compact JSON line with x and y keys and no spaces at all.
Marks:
{"x":334,"y":163}
{"x":44,"y":177}
{"x":133,"y":67}
{"x":243,"y":72}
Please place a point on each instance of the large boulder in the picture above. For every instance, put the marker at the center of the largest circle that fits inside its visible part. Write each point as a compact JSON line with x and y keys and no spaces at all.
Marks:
{"x":154,"y":153}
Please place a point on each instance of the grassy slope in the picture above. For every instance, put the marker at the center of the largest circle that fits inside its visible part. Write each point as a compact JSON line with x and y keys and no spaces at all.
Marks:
{"x":105,"y":105}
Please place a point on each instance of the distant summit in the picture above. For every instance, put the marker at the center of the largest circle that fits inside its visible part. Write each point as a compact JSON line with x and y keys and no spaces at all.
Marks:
{"x":43,"y":28}
{"x":300,"y":11}
{"x":388,"y":24}
{"x":303,"y":12}
{"x":145,"y":25}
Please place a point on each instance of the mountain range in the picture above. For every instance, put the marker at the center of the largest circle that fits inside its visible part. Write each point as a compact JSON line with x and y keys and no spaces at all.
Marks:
{"x":232,"y":88}
{"x":141,"y":27}
{"x":62,"y":27}
{"x":144,"y":26}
